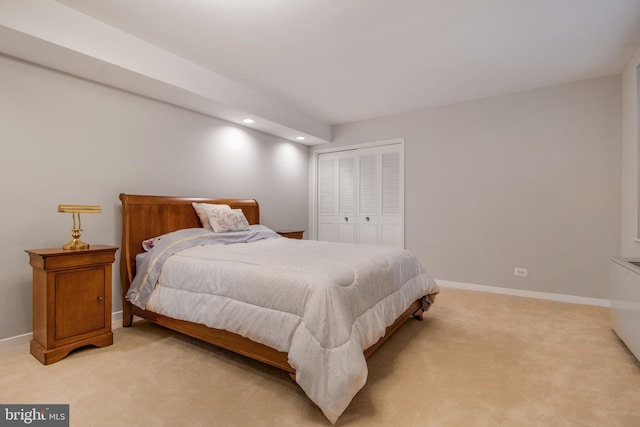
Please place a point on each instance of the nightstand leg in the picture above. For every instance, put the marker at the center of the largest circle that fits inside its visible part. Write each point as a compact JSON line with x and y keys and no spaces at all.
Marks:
{"x":47,"y":357}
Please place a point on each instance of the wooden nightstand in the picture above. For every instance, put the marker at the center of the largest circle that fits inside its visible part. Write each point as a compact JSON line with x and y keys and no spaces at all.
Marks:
{"x":71,"y":300}
{"x":291,"y":234}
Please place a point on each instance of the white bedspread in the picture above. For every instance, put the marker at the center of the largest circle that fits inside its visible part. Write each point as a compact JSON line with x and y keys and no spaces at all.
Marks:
{"x":320,"y":302}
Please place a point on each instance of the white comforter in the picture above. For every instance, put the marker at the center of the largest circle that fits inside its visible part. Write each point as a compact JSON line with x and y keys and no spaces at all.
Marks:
{"x":320,"y":302}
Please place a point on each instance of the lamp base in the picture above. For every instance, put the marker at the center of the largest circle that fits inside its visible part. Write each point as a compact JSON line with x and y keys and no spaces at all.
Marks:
{"x":75,"y":245}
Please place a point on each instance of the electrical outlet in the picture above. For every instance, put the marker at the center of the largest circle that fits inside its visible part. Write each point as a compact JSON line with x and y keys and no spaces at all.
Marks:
{"x":520,"y":272}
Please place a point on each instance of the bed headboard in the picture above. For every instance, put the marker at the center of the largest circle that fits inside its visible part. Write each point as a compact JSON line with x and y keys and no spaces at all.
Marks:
{"x":144,"y":217}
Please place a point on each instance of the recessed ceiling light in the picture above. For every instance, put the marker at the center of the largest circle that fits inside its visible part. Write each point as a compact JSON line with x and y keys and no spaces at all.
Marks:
{"x":248,"y":121}
{"x":300,"y":138}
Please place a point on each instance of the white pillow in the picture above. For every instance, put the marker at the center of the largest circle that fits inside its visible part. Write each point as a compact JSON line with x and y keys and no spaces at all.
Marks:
{"x":222,"y":220}
{"x":202,"y":209}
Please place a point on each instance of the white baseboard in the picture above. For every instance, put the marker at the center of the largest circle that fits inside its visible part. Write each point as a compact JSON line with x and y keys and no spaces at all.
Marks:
{"x":116,"y":320}
{"x":524,"y":293}
{"x":24,"y":339}
{"x":17,"y":341}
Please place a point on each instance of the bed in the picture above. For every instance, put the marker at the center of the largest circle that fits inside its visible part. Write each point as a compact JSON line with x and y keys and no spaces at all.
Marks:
{"x":147,"y":217}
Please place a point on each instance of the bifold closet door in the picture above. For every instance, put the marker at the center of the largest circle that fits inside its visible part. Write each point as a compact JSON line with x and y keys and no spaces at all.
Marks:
{"x":391,"y":206}
{"x":360,"y":196}
{"x":368,"y":199}
{"x":337,"y":197}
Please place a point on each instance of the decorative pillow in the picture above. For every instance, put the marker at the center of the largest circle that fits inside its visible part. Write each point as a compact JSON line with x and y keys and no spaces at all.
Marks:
{"x":202,"y":209}
{"x":223,"y":220}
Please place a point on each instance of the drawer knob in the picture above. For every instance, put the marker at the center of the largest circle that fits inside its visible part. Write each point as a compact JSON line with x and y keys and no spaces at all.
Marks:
{"x":100,"y":298}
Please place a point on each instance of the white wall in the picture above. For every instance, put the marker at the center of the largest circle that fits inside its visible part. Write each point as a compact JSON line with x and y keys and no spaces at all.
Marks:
{"x":67,"y":140}
{"x":530,"y":179}
{"x":630,"y":246}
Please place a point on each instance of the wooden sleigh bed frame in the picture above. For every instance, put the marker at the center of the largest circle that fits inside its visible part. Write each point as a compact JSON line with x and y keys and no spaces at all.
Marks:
{"x":144,"y":217}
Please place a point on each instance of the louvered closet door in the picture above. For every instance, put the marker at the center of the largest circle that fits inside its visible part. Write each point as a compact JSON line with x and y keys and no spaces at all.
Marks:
{"x":347,"y":199}
{"x":327,"y":192}
{"x":380,"y":207}
{"x":337,"y":197}
{"x":368,"y":199}
{"x":360,"y":196}
{"x":391,"y":196}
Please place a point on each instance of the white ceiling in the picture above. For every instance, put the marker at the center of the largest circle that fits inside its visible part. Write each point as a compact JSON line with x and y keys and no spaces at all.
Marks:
{"x":338,"y":61}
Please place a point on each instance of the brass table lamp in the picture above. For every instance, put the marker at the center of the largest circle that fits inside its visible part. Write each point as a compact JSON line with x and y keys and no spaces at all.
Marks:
{"x":76,"y":244}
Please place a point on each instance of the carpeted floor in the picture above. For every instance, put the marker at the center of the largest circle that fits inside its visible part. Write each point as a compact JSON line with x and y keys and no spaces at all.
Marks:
{"x":476,"y":360}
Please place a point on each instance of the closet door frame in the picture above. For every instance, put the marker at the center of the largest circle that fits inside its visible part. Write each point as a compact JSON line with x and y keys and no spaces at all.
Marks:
{"x":313,"y":202}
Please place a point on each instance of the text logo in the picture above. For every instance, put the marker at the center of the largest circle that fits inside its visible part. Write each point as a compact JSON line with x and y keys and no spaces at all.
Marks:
{"x":34,"y":415}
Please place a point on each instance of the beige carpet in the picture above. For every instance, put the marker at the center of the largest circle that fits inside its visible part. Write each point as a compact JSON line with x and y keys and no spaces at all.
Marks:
{"x":477,"y":360}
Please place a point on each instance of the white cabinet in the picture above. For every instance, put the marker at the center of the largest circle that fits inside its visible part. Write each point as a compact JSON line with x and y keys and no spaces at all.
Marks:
{"x":360,"y":195}
{"x":625,"y":302}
